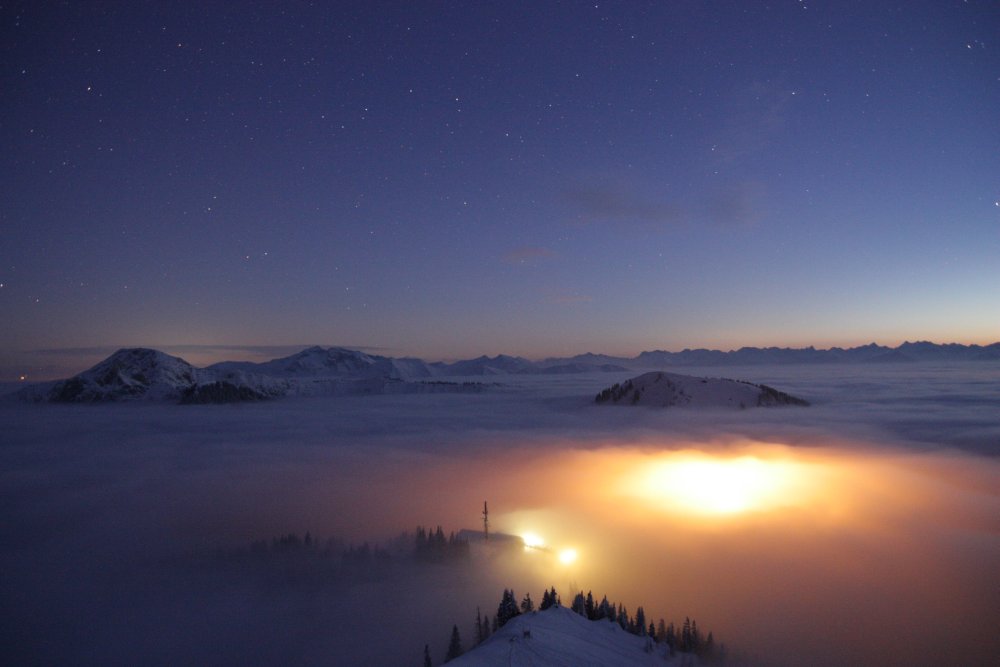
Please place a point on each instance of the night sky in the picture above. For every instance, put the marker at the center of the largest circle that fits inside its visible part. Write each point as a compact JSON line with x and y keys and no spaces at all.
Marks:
{"x":536,"y":178}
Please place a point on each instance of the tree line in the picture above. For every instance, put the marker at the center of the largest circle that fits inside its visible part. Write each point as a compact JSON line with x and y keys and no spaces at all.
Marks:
{"x":687,"y":638}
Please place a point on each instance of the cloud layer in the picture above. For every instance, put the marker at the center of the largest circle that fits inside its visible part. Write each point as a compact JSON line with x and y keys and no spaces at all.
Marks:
{"x":121,"y":522}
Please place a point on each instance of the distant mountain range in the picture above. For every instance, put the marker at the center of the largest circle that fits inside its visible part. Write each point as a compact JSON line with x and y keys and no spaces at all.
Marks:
{"x":142,"y":373}
{"x":146,"y":374}
{"x":871,"y":353}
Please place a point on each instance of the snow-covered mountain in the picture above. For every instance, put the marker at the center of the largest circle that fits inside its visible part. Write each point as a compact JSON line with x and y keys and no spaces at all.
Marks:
{"x":144,"y":374}
{"x":132,"y":374}
{"x":319,"y":362}
{"x":559,"y":637}
{"x":660,"y":389}
{"x":128,"y":374}
{"x":501,"y":364}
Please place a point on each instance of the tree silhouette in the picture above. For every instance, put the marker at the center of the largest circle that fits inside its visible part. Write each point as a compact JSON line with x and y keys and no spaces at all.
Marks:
{"x":454,"y":646}
{"x":507,"y":608}
{"x":580,"y":604}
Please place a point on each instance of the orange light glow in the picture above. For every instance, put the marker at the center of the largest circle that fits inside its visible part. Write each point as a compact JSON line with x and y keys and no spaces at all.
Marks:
{"x":696,"y":482}
{"x":567,"y":556}
{"x":532,"y":541}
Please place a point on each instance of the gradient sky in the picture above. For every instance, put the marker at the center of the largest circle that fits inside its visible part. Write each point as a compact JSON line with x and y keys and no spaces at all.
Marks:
{"x":536,"y":178}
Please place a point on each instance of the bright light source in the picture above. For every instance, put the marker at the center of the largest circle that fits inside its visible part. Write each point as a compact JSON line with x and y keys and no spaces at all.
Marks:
{"x":712,"y":485}
{"x":567,"y":556}
{"x":532,"y":541}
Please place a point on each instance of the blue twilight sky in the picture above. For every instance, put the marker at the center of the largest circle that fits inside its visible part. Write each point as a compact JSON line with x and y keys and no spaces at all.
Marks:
{"x":446,"y":179}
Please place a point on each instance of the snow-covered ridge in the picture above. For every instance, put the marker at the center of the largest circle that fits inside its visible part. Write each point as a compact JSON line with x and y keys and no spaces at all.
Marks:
{"x":559,"y":637}
{"x":141,"y":373}
{"x":660,"y":389}
{"x":146,"y":374}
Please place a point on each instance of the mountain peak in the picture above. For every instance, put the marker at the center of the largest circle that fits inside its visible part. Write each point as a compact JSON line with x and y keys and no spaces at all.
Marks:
{"x":128,"y":374}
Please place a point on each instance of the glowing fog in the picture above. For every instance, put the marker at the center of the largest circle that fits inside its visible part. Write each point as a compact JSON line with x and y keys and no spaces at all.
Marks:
{"x":826,"y":536}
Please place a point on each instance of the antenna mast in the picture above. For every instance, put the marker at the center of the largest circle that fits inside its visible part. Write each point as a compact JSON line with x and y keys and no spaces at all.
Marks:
{"x":486,"y":522}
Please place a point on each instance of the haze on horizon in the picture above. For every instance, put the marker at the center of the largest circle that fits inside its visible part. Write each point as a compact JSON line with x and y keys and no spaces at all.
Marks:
{"x":59,"y":363}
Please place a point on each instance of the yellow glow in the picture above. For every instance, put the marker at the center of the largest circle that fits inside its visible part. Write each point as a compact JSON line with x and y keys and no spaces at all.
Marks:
{"x":532,"y":541}
{"x":567,"y":556}
{"x":695,"y":482}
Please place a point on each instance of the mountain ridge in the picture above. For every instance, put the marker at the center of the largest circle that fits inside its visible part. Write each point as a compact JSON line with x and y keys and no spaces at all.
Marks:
{"x":149,"y":374}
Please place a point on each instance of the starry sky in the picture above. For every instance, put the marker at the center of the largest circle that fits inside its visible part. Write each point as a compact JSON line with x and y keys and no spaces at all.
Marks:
{"x":449,"y":179}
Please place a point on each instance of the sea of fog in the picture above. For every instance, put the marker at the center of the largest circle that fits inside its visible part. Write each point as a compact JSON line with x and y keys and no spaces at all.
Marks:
{"x":862,"y":530}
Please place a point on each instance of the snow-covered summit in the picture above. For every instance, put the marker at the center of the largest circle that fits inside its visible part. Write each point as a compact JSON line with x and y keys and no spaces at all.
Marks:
{"x":659,"y":389}
{"x":143,"y":374}
{"x":333,"y":362}
{"x":559,"y":637}
{"x":128,"y":374}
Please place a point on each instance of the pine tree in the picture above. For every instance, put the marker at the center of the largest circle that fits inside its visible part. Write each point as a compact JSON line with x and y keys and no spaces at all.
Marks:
{"x":549,"y":599}
{"x":546,"y":601}
{"x":507,"y":608}
{"x":708,"y":649}
{"x":479,"y":627}
{"x":623,"y":617}
{"x":661,"y":631}
{"x":604,"y":609}
{"x":588,"y":606}
{"x":427,"y":656}
{"x":527,"y":606}
{"x":454,"y":646}
{"x":580,"y":604}
{"x":640,"y":622}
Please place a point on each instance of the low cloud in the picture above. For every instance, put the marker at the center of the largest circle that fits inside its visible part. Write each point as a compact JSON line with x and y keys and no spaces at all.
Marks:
{"x":597,"y":204}
{"x":121,"y":521}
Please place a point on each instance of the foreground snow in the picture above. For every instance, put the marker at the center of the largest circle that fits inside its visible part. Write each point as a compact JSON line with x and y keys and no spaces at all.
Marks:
{"x":558,"y":637}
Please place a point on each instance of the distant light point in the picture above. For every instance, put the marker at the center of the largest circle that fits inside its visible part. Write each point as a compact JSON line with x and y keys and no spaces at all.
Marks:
{"x":567,"y":556}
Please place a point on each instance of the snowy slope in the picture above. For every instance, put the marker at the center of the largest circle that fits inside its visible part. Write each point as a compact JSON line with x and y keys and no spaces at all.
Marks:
{"x":142,"y":374}
{"x":337,"y":371}
{"x":558,"y":637}
{"x":128,"y":374}
{"x":660,"y":389}
{"x":333,"y":362}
